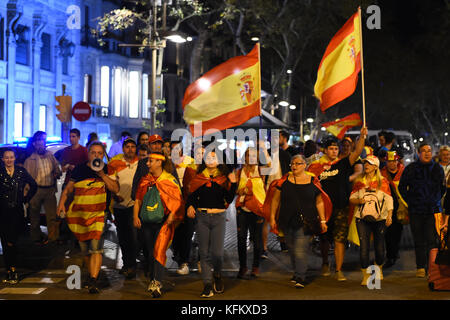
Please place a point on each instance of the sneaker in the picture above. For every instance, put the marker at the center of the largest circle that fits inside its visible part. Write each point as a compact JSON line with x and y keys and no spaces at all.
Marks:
{"x":207,"y":291}
{"x":123,"y":270}
{"x":157,"y":289}
{"x":151,"y":287}
{"x":294,"y":279}
{"x":420,"y":273}
{"x":8,"y":277}
{"x":218,"y":283}
{"x":300,"y":283}
{"x":326,"y":270}
{"x":340,"y":276}
{"x":93,"y":287}
{"x":283,"y":247}
{"x":264,"y":255}
{"x":242,"y":273}
{"x":183,"y":270}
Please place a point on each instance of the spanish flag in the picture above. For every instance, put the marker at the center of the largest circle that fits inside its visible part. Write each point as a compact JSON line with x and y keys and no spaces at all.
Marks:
{"x":339,"y":127}
{"x":337,"y":76}
{"x":226,"y":96}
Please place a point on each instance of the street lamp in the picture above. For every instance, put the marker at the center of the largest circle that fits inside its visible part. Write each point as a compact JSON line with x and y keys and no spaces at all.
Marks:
{"x":292,"y":107}
{"x":310,"y":120}
{"x":283,"y":103}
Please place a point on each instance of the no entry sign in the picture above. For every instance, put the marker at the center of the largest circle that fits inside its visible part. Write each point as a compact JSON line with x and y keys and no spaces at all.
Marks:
{"x":81,"y":111}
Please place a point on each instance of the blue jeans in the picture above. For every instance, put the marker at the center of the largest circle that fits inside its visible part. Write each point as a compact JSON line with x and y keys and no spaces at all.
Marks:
{"x":210,"y":229}
{"x":298,"y":246}
{"x":365,"y":229}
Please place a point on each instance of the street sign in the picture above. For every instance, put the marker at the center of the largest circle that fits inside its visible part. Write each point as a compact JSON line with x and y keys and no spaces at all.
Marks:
{"x":81,"y":111}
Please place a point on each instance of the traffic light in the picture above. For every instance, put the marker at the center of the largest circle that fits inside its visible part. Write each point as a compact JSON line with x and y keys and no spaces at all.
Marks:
{"x":64,"y":108}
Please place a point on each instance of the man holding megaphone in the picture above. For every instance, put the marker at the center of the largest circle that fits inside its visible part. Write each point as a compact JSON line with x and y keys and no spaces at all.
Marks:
{"x":86,"y":215}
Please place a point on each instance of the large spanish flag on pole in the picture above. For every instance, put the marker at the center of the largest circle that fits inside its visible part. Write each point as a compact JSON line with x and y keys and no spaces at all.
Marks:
{"x":226,"y":96}
{"x":337,"y":76}
{"x":339,"y":127}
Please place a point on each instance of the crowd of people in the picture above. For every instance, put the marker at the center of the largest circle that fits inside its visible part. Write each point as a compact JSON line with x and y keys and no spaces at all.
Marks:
{"x":157,"y":202}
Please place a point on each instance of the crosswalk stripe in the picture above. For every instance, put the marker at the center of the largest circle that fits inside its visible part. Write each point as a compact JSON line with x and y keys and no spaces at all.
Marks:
{"x":22,"y":290}
{"x":42,"y":280}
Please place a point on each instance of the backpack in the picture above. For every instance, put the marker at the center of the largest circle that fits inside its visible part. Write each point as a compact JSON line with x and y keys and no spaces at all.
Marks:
{"x":152,"y":210}
{"x":370,"y":211}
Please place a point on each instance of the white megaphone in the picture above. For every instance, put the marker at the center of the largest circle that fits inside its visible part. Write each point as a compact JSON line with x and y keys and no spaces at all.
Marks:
{"x":97,"y":164}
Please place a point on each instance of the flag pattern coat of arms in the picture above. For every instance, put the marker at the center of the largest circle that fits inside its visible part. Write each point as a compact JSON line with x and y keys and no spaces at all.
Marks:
{"x":226,"y":96}
{"x":337,"y":75}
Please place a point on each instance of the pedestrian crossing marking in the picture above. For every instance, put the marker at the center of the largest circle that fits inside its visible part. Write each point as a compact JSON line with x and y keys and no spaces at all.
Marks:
{"x":22,"y":290}
{"x":42,"y":280}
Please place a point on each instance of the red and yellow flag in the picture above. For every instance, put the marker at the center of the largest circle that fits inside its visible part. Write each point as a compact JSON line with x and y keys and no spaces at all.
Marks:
{"x":339,"y":127}
{"x":226,"y":96}
{"x":337,"y":76}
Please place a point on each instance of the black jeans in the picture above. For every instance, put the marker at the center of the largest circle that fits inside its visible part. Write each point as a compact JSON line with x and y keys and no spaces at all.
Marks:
{"x":150,"y":232}
{"x":182,"y":240}
{"x":126,"y":232}
{"x":365,"y":229}
{"x":11,"y":226}
{"x":425,"y":237}
{"x":248,"y":221}
{"x":393,"y":237}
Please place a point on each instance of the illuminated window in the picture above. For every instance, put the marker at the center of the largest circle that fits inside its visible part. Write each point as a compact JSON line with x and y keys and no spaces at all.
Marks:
{"x":117,"y":91}
{"x":87,"y":90}
{"x":133,"y":95}
{"x":104,"y":86}
{"x":145,"y":105}
{"x":18,"y":119}
{"x":42,"y":117}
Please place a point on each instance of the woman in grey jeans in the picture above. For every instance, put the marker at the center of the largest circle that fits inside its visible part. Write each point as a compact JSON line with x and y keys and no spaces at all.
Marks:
{"x":211,"y":191}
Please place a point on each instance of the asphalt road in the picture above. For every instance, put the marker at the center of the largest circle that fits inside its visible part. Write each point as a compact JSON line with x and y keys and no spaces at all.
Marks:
{"x":44,"y":277}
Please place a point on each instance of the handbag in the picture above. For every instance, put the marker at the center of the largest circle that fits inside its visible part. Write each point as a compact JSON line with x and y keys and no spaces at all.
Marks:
{"x":152,"y":210}
{"x":443,"y":255}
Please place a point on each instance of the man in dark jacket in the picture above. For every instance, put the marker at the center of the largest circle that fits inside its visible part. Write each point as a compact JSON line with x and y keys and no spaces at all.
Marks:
{"x":421,"y":187}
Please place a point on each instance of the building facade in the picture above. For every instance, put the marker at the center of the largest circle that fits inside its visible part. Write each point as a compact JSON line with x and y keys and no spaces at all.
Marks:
{"x":47,"y":45}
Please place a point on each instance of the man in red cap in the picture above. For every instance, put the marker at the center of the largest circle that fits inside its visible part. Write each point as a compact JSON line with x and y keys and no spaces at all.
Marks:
{"x":393,"y":172}
{"x":155,"y":143}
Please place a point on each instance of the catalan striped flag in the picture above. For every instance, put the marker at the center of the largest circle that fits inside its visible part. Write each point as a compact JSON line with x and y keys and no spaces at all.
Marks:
{"x":339,"y":127}
{"x":337,"y":76}
{"x":86,"y":214}
{"x":226,"y":96}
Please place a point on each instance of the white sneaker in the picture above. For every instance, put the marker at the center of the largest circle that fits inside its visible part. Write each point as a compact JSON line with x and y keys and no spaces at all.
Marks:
{"x":183,"y":270}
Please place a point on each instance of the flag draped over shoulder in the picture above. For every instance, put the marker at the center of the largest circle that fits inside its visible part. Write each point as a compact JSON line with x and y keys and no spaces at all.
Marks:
{"x":339,"y":127}
{"x":337,"y":76}
{"x":226,"y":96}
{"x":255,"y":196}
{"x":172,"y":200}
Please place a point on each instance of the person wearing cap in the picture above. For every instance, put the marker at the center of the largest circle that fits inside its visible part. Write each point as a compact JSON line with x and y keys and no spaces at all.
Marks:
{"x":393,"y":172}
{"x":86,"y":214}
{"x":371,"y":188}
{"x":334,"y":175}
{"x":422,"y":188}
{"x":124,"y":166}
{"x":158,"y":235}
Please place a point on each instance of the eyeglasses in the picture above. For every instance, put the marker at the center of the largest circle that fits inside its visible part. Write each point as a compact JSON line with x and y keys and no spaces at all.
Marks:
{"x":297,"y":164}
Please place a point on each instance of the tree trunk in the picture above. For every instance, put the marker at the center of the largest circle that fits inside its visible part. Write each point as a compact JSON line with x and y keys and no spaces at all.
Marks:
{"x":197,"y":56}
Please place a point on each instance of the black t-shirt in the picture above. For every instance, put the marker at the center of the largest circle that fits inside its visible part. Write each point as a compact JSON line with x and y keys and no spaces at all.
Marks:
{"x":335,"y":182}
{"x":83,"y":171}
{"x":296,"y":199}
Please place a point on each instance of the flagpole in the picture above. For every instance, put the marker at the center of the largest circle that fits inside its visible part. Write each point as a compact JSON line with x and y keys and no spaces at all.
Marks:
{"x":362,"y":67}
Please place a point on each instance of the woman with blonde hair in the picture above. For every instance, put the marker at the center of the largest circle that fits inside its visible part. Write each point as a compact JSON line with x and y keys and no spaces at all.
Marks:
{"x":373,"y":203}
